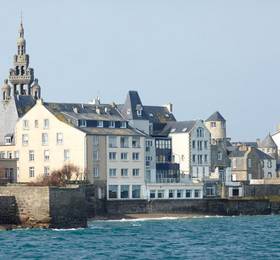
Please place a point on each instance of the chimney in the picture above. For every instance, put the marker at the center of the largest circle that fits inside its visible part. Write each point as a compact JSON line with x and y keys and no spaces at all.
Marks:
{"x":169,"y":107}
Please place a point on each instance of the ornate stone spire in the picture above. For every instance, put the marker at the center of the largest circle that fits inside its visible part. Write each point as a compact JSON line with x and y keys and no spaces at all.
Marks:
{"x":21,"y":76}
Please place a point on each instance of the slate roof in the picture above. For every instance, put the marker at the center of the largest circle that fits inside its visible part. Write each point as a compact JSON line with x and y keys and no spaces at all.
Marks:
{"x":237,"y":153}
{"x":216,"y":117}
{"x":65,"y":112}
{"x":23,"y":104}
{"x":155,"y":114}
{"x":178,"y":127}
{"x":251,"y":144}
{"x":268,"y":142}
{"x":263,"y":156}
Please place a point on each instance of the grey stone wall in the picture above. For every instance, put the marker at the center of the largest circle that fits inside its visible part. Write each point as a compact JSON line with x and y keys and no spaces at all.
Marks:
{"x":54,"y":207}
{"x":203,"y":206}
{"x":8,"y":210}
{"x":68,"y":208}
{"x":261,"y":190}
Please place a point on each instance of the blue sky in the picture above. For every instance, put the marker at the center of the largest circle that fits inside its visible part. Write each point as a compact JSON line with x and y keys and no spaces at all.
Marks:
{"x":200,"y":55}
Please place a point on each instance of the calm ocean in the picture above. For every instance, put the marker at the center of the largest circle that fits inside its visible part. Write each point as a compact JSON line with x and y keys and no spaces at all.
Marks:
{"x":244,"y":237}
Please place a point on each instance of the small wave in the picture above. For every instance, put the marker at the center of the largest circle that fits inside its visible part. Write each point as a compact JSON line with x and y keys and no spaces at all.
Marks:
{"x":66,"y":229}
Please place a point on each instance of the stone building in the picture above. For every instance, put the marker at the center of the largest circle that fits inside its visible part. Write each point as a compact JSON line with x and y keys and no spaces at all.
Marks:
{"x":269,"y":147}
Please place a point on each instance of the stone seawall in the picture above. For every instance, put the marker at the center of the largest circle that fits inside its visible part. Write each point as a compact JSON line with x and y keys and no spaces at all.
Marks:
{"x":203,"y":206}
{"x":35,"y":206}
{"x":8,"y":210}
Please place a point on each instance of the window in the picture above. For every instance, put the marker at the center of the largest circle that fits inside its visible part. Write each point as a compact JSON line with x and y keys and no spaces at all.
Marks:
{"x":180,"y":194}
{"x":171,"y":194}
{"x":188,"y":193}
{"x":197,"y":193}
{"x":95,"y":155}
{"x":9,"y":155}
{"x":205,"y":145}
{"x":160,"y":194}
{"x":220,"y":156}
{"x":112,"y":156}
{"x":111,"y":124}
{"x":152,"y":194}
{"x":213,"y":124}
{"x":59,"y":138}
{"x":124,"y":142}
{"x":16,"y":154}
{"x":123,"y":125}
{"x":205,"y":158}
{"x":95,"y":140}
{"x":193,"y":144}
{"x":2,"y":155}
{"x":25,"y":124}
{"x":136,"y":141}
{"x":113,"y":191}
{"x":200,"y":132}
{"x":31,"y":155}
{"x":46,"y":155}
{"x":123,"y":156}
{"x":45,"y":138}
{"x":124,"y":172}
{"x":46,"y":171}
{"x":46,"y":123}
{"x":95,"y":172}
{"x":66,"y":155}
{"x":249,"y":163}
{"x":8,"y":140}
{"x":36,"y":123}
{"x":113,"y":172}
{"x":31,"y":172}
{"x":210,"y":191}
{"x":112,"y":141}
{"x":136,"y":191}
{"x":124,"y":191}
{"x":83,"y":123}
{"x":135,"y":172}
{"x":193,"y":158}
{"x":24,"y":139}
{"x":269,"y":175}
{"x":99,"y":123}
{"x":235,"y":192}
{"x":135,"y":156}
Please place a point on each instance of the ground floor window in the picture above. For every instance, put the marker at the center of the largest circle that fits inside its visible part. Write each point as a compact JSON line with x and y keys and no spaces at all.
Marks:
{"x":197,"y":193}
{"x":31,"y":172}
{"x":180,"y":194}
{"x":171,"y":194}
{"x":160,"y":194}
{"x":210,"y":191}
{"x":136,"y":191}
{"x":113,"y":191}
{"x":124,"y":191}
{"x":188,"y":193}
{"x":152,"y":194}
{"x":235,"y":192}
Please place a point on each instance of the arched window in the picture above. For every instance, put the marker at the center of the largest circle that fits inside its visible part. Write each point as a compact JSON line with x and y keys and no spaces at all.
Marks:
{"x":22,"y":70}
{"x":17,"y":70}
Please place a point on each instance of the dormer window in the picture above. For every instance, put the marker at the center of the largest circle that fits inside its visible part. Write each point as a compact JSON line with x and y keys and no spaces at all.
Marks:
{"x":173,"y":130}
{"x":111,"y":124}
{"x":99,"y":123}
{"x":139,"y":109}
{"x":8,"y":140}
{"x":83,"y":123}
{"x":123,"y":125}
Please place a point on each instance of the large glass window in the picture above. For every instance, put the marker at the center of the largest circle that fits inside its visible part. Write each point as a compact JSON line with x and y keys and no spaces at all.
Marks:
{"x":124,"y":191}
{"x":113,"y":191}
{"x":112,"y":141}
{"x":136,"y":191}
{"x":124,"y":142}
{"x":136,"y":141}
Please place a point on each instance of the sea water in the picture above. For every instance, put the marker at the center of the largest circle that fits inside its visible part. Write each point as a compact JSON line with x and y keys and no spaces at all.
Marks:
{"x":242,"y":237}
